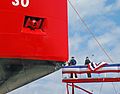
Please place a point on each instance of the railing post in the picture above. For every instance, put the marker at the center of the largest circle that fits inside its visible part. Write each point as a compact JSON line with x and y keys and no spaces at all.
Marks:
{"x":72,"y":88}
{"x":67,"y":88}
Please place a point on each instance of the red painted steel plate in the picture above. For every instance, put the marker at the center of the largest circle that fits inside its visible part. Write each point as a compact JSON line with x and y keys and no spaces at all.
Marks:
{"x":91,"y":80}
{"x":15,"y":42}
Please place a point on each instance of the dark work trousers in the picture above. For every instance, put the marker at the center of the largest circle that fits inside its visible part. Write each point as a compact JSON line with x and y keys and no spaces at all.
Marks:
{"x":71,"y":75}
{"x":89,"y":75}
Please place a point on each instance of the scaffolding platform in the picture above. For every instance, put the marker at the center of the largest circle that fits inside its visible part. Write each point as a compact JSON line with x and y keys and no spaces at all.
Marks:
{"x":106,"y":73}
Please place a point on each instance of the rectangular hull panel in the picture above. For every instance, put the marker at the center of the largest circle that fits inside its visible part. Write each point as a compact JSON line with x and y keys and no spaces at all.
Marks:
{"x":51,"y":44}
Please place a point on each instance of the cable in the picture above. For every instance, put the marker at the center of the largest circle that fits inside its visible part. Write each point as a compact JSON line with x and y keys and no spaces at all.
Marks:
{"x":101,"y":88}
{"x":117,"y":85}
{"x":88,"y":29}
{"x":114,"y":88}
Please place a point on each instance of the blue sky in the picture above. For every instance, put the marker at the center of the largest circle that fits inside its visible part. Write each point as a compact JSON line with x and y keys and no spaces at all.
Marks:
{"x":103,"y":19}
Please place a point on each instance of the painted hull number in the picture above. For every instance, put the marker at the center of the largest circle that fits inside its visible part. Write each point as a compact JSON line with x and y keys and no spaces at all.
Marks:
{"x":23,"y":3}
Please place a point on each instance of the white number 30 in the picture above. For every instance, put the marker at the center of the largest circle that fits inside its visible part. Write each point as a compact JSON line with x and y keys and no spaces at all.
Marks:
{"x":17,"y":2}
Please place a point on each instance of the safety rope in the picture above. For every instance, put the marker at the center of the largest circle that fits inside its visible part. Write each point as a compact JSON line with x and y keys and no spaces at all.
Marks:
{"x":101,"y":88}
{"x":114,"y":88}
{"x":117,"y":85}
{"x":88,"y":29}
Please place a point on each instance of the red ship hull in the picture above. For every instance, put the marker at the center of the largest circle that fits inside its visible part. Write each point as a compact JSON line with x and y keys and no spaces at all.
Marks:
{"x":16,"y":41}
{"x":33,"y":40}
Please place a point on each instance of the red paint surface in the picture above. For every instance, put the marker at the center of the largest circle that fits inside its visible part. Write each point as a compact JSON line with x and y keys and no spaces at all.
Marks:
{"x":18,"y":42}
{"x":91,"y":80}
{"x":99,"y":71}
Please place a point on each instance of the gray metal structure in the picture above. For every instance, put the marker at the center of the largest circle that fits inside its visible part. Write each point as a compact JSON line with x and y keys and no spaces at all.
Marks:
{"x":15,"y":73}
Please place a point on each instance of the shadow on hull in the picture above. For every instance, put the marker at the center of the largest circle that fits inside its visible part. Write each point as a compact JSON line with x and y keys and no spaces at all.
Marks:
{"x":15,"y":73}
